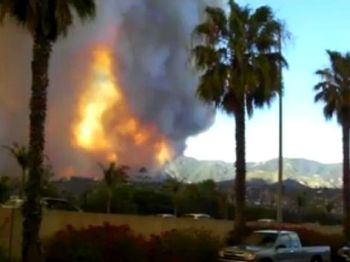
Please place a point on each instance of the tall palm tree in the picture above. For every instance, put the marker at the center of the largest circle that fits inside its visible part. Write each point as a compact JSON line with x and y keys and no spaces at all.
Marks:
{"x":45,"y":20}
{"x":113,"y":175}
{"x":21,"y":154}
{"x":334,"y":92}
{"x":237,"y":54}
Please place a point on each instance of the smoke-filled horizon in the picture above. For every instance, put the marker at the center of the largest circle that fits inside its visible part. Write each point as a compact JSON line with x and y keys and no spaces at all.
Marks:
{"x":149,"y":42}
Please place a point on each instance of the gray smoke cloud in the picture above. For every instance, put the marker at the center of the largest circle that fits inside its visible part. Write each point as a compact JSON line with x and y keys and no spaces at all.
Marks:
{"x":150,"y":40}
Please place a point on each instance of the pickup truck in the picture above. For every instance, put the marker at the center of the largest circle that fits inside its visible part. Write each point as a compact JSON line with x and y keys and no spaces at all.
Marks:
{"x":274,"y":246}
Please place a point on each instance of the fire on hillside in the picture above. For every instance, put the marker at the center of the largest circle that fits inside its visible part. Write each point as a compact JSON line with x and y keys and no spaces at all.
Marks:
{"x":105,"y":124}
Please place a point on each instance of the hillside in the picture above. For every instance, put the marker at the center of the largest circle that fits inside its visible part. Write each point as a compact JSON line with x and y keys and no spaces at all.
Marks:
{"x":306,"y":172}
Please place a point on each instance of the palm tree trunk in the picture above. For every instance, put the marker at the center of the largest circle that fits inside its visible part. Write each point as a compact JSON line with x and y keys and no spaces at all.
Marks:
{"x":240,"y":187}
{"x":109,"y":201}
{"x":346,"y":193}
{"x":23,"y":183}
{"x":31,"y":249}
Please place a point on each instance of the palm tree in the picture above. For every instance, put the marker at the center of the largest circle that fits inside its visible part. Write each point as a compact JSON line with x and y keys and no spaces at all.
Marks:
{"x":21,"y":154}
{"x":334,"y":92}
{"x":113,"y":175}
{"x":238,"y":56}
{"x":45,"y":20}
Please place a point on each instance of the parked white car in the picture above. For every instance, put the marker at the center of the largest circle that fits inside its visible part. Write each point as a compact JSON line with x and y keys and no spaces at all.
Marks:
{"x":166,"y":215}
{"x":197,"y":216}
{"x":13,"y":202}
{"x":46,"y":202}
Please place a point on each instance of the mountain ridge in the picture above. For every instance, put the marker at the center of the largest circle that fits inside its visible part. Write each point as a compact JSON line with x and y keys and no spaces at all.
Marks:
{"x":309,"y":173}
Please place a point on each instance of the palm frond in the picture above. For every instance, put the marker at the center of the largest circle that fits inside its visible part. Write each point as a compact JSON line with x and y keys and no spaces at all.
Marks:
{"x":334,"y":88}
{"x":205,"y":56}
{"x":213,"y":29}
{"x":48,"y":18}
{"x":86,"y":9}
{"x":20,"y":153}
{"x":213,"y":84}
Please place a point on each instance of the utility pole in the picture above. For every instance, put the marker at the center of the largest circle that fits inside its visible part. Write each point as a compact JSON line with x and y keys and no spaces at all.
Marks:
{"x":280,"y":141}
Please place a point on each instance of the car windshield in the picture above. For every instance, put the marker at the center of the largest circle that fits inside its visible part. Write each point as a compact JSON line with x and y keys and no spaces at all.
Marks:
{"x":260,"y":239}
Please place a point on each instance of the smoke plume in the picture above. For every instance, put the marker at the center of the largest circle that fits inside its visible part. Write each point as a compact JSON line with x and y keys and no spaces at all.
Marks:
{"x":150,"y":42}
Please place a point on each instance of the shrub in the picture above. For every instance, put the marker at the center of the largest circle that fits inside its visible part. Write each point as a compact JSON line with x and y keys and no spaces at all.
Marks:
{"x":3,"y":255}
{"x":105,"y":243}
{"x":185,"y":245}
{"x":109,"y":243}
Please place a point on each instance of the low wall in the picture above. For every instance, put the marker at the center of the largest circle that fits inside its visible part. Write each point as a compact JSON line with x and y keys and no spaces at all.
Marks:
{"x":146,"y":225}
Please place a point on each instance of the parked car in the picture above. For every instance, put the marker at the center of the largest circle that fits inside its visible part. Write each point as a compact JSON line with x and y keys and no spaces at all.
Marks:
{"x":344,"y":253}
{"x":166,"y":215}
{"x":13,"y":202}
{"x":46,"y":202}
{"x":197,"y":216}
{"x":266,"y":220}
{"x":274,"y":246}
{"x":59,"y":204}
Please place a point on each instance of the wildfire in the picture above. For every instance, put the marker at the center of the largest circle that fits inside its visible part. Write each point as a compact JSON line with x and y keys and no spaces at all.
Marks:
{"x":100,"y":97}
{"x":164,"y":153}
{"x":68,"y":172}
{"x":106,"y":125}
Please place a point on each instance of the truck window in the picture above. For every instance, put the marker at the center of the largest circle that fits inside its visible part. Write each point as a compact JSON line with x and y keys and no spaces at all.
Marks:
{"x":284,"y":240}
{"x":261,"y":239}
{"x":295,"y":241}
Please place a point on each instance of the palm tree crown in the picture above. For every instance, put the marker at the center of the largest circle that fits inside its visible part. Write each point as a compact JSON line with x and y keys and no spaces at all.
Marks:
{"x":334,"y":89}
{"x":47,"y":18}
{"x":20,"y":153}
{"x":238,"y":57}
{"x":114,"y":174}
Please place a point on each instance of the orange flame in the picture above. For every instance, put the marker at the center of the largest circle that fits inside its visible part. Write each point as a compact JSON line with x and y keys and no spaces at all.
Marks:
{"x":164,"y":153}
{"x":101,"y":96}
{"x":68,"y":172}
{"x":103,"y":100}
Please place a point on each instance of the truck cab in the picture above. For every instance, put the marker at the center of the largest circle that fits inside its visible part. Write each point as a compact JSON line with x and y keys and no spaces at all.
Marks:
{"x":273,"y":246}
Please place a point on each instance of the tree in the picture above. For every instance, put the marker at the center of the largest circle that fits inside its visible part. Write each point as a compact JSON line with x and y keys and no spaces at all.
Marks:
{"x":174,"y":186}
{"x":301,"y":201}
{"x":330,"y":205}
{"x":112,"y":175}
{"x":334,"y":91}
{"x":45,"y":20}
{"x":21,"y":155}
{"x":238,"y":57}
{"x":48,"y":188}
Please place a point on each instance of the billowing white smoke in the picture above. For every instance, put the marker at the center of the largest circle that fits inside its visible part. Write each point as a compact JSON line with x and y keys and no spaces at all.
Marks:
{"x":151,"y":40}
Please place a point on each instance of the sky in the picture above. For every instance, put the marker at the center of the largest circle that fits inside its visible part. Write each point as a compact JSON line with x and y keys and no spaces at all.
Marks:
{"x":315,"y":26}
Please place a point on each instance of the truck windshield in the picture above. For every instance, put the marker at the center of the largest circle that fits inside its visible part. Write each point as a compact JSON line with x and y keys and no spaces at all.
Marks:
{"x":261,"y":239}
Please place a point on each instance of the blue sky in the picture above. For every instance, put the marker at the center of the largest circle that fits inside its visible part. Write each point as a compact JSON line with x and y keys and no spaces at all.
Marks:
{"x":315,"y":25}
